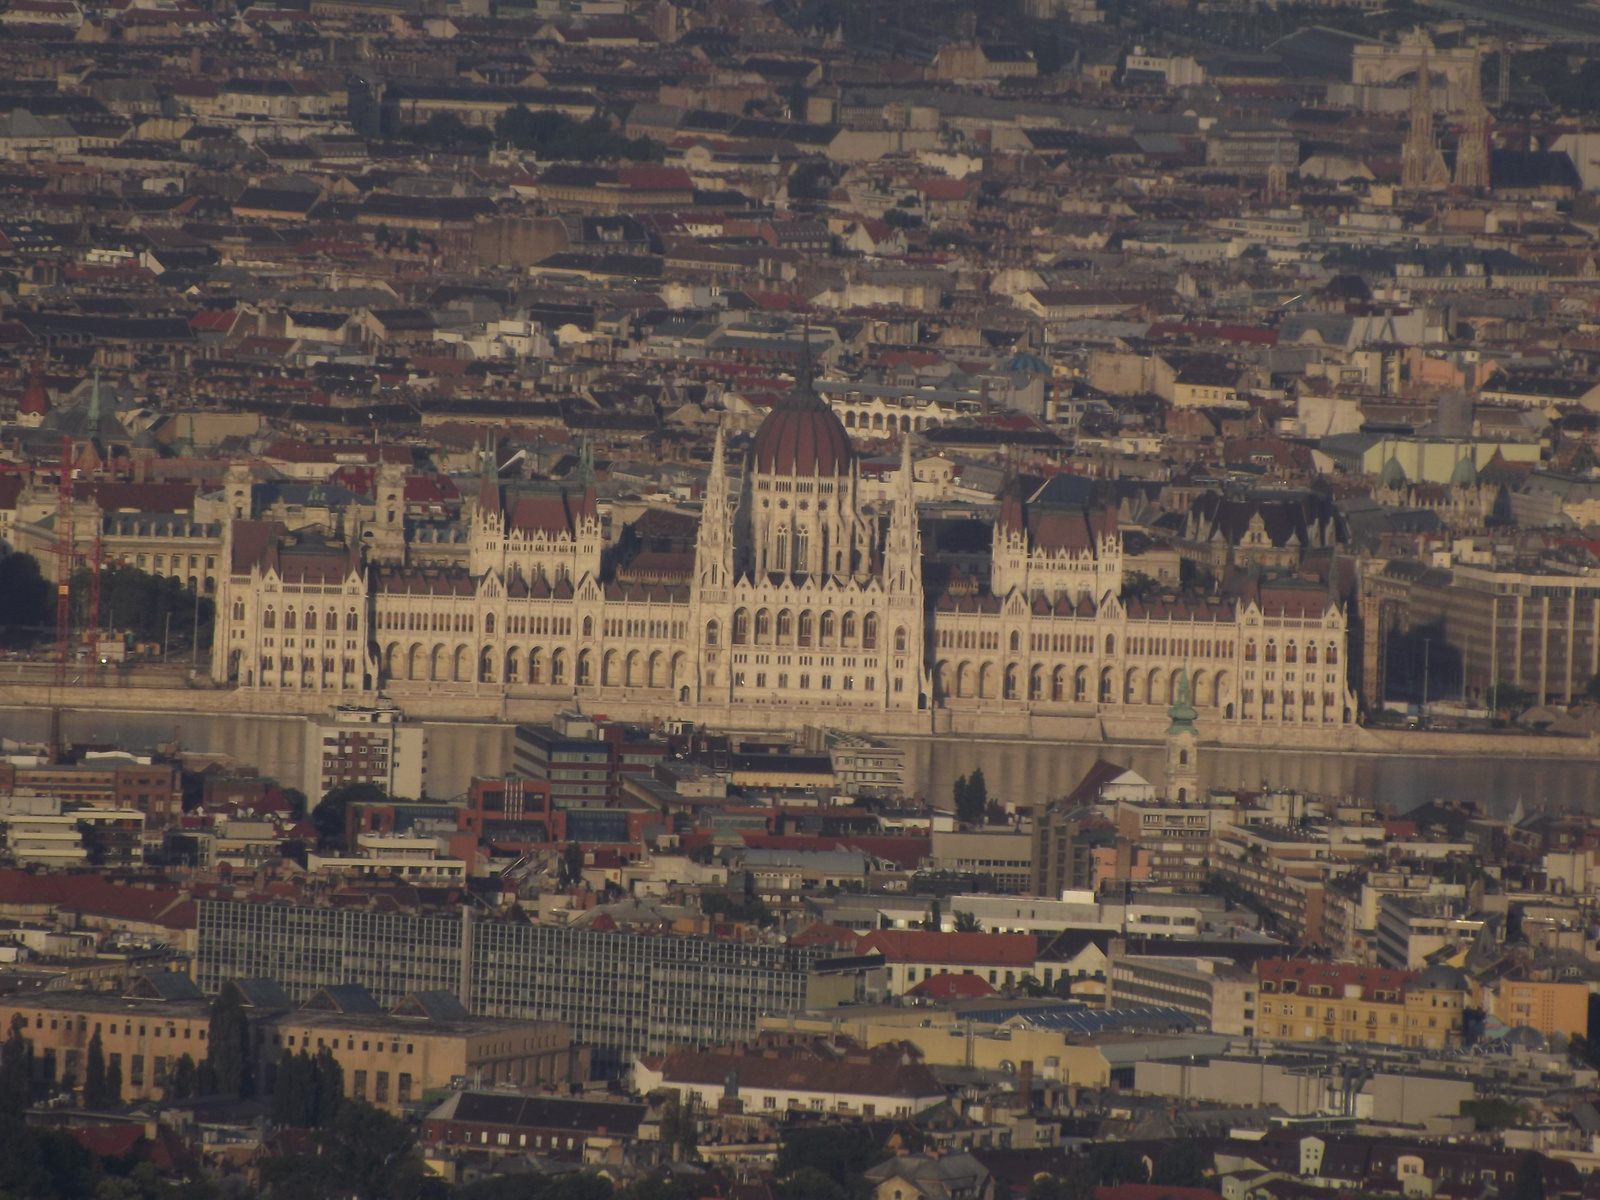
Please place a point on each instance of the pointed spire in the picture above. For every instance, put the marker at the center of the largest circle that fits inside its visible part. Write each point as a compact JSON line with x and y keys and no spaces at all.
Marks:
{"x":489,"y":483}
{"x":805,"y":376}
{"x":93,"y":429}
{"x":586,"y":461}
{"x":719,"y":465}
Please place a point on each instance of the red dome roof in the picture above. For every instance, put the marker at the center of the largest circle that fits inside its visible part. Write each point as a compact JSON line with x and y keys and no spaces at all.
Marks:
{"x":35,"y":400}
{"x":801,"y":436}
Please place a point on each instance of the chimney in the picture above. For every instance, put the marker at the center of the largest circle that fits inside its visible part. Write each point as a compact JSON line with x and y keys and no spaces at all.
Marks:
{"x":1025,"y":1085}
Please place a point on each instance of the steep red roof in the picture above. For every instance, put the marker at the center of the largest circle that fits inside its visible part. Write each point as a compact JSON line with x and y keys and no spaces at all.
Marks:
{"x":952,"y":987}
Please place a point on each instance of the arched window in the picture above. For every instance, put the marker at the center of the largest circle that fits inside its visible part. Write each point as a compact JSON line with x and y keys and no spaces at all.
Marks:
{"x":1332,"y":657}
{"x":1250,"y":651}
{"x":1311,"y":654}
{"x":1010,"y":687}
{"x":804,"y":638}
{"x":238,"y":610}
{"x":741,"y":627}
{"x":785,"y":627}
{"x":585,"y":669}
{"x":1272,"y":650}
{"x":288,"y":618}
{"x":352,"y":621}
{"x":588,"y":627}
{"x":1111,"y":645}
{"x":763,"y":625}
{"x":1291,"y":653}
{"x":847,"y":629}
{"x":825,"y":629}
{"x":1016,"y":640}
{"x":311,"y":618}
{"x":869,"y":631}
{"x":330,"y":620}
{"x":269,"y":619}
{"x":1080,"y":684}
{"x":488,"y":623}
{"x":711,"y":633}
{"x":900,"y":638}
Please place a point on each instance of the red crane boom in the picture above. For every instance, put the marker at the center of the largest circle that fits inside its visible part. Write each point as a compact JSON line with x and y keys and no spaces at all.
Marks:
{"x":64,"y":564}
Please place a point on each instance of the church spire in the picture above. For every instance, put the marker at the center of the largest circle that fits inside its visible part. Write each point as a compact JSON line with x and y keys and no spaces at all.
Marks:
{"x":93,"y":429}
{"x":489,"y":483}
{"x":1421,"y":165}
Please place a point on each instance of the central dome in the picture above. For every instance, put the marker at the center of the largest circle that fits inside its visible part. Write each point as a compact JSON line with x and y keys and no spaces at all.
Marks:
{"x":802,"y":436}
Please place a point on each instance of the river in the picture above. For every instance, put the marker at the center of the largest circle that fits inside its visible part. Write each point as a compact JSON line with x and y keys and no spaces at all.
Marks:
{"x":1027,"y":771}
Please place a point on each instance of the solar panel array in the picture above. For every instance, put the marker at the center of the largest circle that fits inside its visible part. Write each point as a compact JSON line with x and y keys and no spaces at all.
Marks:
{"x":1090,"y":1021}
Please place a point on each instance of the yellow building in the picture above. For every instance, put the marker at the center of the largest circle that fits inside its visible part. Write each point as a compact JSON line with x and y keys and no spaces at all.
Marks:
{"x":143,"y":1038}
{"x":1547,"y":1007}
{"x":1434,"y":1005}
{"x":1305,"y":1001}
{"x":947,"y":1040}
{"x":427,"y":1042}
{"x":389,"y":1058}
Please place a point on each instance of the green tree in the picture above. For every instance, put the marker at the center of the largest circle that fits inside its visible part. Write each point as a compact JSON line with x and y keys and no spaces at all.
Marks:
{"x":296,"y":800}
{"x":971,"y":797}
{"x":113,"y":1092}
{"x":228,"y":1046}
{"x":1116,"y":1163}
{"x":808,"y":1183}
{"x":1509,"y":698}
{"x":181,"y":1080}
{"x":25,"y":594}
{"x":1530,"y":1178}
{"x":16,"y":1072}
{"x":328,"y":817}
{"x":841,"y":1152}
{"x":572,"y":865}
{"x":293,"y":1098}
{"x":94,"y":1074}
{"x":327,"y":1079}
{"x":1179,"y":1163}
{"x":364,"y":1151}
{"x":965,"y":922}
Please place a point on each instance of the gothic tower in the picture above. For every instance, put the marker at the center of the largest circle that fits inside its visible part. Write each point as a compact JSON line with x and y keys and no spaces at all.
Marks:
{"x":1422,"y":167}
{"x":1472,"y":152}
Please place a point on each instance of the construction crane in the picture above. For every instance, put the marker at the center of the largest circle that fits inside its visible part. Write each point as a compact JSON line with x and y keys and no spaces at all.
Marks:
{"x":94,"y":608}
{"x":64,"y":564}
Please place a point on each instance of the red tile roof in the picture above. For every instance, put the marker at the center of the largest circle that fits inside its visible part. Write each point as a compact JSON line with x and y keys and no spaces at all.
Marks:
{"x":952,"y":987}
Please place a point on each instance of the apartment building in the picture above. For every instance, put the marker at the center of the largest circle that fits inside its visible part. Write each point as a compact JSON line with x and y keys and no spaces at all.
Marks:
{"x":580,"y":763}
{"x":1215,"y":992}
{"x":1305,"y":1001}
{"x":496,"y":1124}
{"x":1547,"y":1006}
{"x":621,"y":993}
{"x":354,"y":745}
{"x":1412,"y":928}
{"x":104,"y":781}
{"x":1005,"y":855}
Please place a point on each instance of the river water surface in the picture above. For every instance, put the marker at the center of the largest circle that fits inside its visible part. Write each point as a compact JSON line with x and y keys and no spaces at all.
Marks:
{"x":1021,"y":771}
